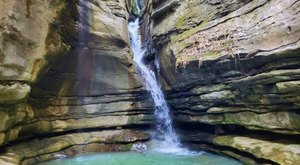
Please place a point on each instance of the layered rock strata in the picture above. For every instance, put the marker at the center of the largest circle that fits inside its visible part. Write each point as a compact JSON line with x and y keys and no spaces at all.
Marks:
{"x":67,"y":79}
{"x":233,"y":64}
{"x":230,"y":70}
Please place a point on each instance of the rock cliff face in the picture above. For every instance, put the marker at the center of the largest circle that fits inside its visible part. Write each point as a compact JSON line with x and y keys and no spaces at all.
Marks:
{"x":232,"y":67}
{"x":68,"y":80}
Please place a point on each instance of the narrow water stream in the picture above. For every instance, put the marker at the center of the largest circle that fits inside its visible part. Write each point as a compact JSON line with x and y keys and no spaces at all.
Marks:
{"x":169,"y":142}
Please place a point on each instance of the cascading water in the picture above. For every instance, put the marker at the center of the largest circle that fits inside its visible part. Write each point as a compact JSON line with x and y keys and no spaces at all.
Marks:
{"x":170,"y":142}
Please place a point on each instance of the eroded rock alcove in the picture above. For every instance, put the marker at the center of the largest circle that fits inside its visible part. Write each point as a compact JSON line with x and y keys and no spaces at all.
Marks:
{"x":230,"y":71}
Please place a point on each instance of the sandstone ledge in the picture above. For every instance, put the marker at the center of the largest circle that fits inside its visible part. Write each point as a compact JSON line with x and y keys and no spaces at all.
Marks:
{"x":276,"y":150}
{"x":73,"y":144}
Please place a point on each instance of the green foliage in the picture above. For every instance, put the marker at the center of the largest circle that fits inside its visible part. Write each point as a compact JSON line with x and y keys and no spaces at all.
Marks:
{"x":125,"y":147}
{"x":134,"y":8}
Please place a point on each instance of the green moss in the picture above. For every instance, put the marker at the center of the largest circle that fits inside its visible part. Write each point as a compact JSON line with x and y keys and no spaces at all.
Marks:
{"x":136,"y":119}
{"x":211,"y":54}
{"x":185,"y":59}
{"x":253,"y":98}
{"x":181,"y":46}
{"x":182,"y":21}
{"x":211,"y":88}
{"x":294,"y":120}
{"x":224,"y":140}
{"x":256,"y":150}
{"x":125,"y":147}
{"x":257,"y":89}
{"x":118,"y":138}
{"x":189,"y":32}
{"x":134,"y":8}
{"x":229,"y":119}
{"x":5,"y":121}
{"x":288,"y":87}
{"x":276,"y":151}
{"x":228,"y":42}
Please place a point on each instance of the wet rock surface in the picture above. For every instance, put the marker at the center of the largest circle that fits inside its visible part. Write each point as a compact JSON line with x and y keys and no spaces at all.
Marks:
{"x":228,"y":64}
{"x":67,"y":80}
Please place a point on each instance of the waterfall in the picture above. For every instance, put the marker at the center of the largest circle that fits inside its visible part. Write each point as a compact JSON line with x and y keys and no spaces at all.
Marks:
{"x":170,"y":142}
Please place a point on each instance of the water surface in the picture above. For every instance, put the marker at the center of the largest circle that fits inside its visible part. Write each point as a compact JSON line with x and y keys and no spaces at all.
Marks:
{"x":149,"y":158}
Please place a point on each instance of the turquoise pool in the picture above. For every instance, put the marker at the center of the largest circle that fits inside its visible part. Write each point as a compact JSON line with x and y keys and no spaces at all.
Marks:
{"x":148,"y":158}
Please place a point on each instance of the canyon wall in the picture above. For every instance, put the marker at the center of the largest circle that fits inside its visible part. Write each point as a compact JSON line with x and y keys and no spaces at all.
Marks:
{"x":68,"y":83}
{"x":230,"y":70}
{"x":231,"y":73}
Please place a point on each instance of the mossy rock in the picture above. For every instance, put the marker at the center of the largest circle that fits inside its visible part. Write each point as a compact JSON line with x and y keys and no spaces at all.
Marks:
{"x":125,"y":147}
{"x":288,"y":87}
{"x":276,"y":151}
{"x":134,"y":8}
